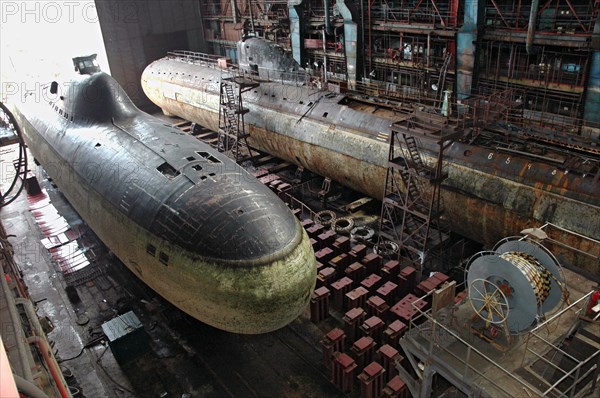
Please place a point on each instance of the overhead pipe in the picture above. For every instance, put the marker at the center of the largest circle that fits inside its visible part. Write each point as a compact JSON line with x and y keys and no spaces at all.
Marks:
{"x":251,"y":17}
{"x":531,"y":28}
{"x":328,"y":27}
{"x":234,"y":11}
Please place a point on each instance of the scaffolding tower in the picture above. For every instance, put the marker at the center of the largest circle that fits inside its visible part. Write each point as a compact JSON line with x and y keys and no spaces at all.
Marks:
{"x":411,"y":209}
{"x":233,"y":136}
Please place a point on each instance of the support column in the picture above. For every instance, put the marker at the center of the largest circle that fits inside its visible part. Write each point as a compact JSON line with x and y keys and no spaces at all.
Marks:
{"x":297,"y":30}
{"x":591,"y":114}
{"x":352,"y":42}
{"x":466,"y":42}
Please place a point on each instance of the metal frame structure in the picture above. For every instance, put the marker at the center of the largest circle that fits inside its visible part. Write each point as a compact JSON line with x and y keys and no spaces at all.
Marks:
{"x":411,"y":209}
{"x":433,"y":345}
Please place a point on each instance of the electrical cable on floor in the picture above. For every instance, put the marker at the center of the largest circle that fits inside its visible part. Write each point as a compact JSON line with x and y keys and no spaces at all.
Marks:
{"x":99,"y":362}
{"x":87,"y":345}
{"x":75,"y":357}
{"x":22,"y":165}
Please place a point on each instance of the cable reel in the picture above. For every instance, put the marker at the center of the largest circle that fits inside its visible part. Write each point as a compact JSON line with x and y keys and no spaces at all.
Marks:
{"x":519,"y":282}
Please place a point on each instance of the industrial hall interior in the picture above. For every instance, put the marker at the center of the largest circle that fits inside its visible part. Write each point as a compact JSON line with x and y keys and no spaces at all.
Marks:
{"x":300,"y":199}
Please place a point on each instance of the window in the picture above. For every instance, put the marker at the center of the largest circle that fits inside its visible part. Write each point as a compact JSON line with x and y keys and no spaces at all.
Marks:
{"x":150,"y":249}
{"x":164,"y":258}
{"x":197,"y":167}
{"x":190,"y":158}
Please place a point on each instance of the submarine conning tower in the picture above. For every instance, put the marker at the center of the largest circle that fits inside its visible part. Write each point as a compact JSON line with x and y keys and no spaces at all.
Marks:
{"x":96,"y":98}
{"x":265,"y":59}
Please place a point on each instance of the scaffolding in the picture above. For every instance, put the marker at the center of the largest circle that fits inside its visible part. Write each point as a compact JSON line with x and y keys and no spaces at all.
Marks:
{"x":411,"y":209}
{"x":232,"y":139}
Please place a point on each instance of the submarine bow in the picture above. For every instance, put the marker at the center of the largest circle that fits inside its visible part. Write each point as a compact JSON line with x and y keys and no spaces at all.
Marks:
{"x":188,"y":221}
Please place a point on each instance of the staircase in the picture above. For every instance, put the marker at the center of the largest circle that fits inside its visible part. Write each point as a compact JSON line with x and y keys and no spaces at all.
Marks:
{"x":410,"y":213}
{"x":232,"y":138}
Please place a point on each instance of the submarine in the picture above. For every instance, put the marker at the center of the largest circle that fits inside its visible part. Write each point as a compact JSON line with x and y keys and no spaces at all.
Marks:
{"x":491,"y":190}
{"x":185,"y":219}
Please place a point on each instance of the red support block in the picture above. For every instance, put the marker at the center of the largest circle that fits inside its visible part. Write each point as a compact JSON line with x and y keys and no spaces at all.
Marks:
{"x":343,"y":372}
{"x":396,"y":388}
{"x":388,"y":356}
{"x":363,"y":351}
{"x":404,"y":310}
{"x":388,"y":292}
{"x":355,"y":271}
{"x":315,"y":230}
{"x":376,"y":306}
{"x":356,"y":298}
{"x":325,"y":276}
{"x":373,"y":327}
{"x":425,"y":287}
{"x":306,"y":223}
{"x":327,"y":238}
{"x":340,"y":288}
{"x":393,"y":333}
{"x":372,"y":381}
{"x":319,"y":304}
{"x":358,"y":252}
{"x":372,"y":262}
{"x":407,"y":280}
{"x":371,"y":282}
{"x":342,"y":244}
{"x":440,"y":278}
{"x":340,"y":262}
{"x":324,"y":255}
{"x":334,"y":341}
{"x":352,"y":321}
{"x":390,"y":271}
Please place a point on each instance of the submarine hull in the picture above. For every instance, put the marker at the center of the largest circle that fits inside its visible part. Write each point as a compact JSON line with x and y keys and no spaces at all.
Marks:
{"x":487,"y":196}
{"x":256,"y":296}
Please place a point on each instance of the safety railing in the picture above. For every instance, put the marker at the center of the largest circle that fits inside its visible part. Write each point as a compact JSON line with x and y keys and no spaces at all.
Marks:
{"x":430,"y":12}
{"x":443,"y":342}
{"x":305,"y":211}
{"x":565,"y":18}
{"x":194,"y":57}
{"x":440,"y":341}
{"x":577,"y":370}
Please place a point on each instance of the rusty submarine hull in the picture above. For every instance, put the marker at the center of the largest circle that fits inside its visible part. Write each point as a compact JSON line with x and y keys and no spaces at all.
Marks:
{"x":489,"y":194}
{"x":188,"y":221}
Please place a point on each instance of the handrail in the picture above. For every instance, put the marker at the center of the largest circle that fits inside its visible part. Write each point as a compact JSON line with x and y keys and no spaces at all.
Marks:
{"x":193,"y":57}
{"x":469,"y":348}
{"x":415,"y":327}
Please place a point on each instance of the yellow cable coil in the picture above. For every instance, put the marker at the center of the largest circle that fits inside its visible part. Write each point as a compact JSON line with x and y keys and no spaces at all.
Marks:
{"x":534,"y":271}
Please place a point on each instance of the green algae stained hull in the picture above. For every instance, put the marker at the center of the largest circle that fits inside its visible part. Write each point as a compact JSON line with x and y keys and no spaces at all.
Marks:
{"x":188,"y":221}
